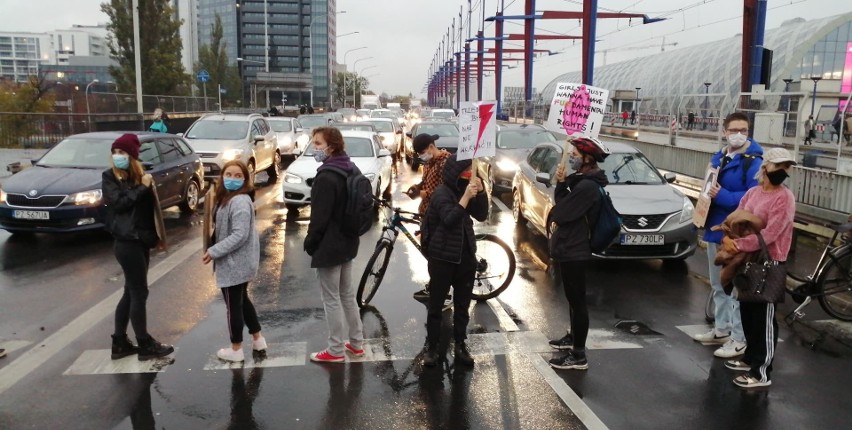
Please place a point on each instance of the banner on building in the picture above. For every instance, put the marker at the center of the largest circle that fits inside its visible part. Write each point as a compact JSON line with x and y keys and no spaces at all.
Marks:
{"x":477,"y":130}
{"x":577,"y":109}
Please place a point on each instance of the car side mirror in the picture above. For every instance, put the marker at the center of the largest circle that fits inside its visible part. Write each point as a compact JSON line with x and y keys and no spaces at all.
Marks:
{"x":147,"y":165}
{"x":384,"y":153}
{"x":298,"y":129}
{"x":670,"y":177}
{"x":179,"y":134}
{"x":259,"y":138}
{"x":544,"y":178}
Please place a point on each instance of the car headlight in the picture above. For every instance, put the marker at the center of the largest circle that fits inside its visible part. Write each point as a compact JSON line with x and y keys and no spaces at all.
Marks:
{"x":85,"y":197}
{"x":370,"y":176}
{"x":2,"y":196}
{"x":232,"y":154}
{"x":507,"y":165}
{"x":292,"y":179}
{"x":687,"y":211}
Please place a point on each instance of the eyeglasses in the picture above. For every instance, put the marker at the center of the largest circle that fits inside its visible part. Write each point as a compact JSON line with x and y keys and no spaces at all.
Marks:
{"x":738,"y":130}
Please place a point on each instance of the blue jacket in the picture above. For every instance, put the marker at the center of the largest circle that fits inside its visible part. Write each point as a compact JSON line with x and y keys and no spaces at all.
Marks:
{"x":733,"y":188}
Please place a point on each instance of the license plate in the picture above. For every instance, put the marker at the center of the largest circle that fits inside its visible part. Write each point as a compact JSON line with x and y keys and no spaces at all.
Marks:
{"x":31,"y":214}
{"x":642,"y":239}
{"x":207,"y":169}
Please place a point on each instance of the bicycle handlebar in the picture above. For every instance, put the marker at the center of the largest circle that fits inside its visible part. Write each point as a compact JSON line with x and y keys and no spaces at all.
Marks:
{"x":387,"y":203}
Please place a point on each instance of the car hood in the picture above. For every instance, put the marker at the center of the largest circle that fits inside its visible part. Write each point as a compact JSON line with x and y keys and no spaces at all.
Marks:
{"x":645,"y":199}
{"x":214,"y":145}
{"x":516,"y":155}
{"x":53,"y":181}
{"x":306,"y":167}
{"x":447,"y":142}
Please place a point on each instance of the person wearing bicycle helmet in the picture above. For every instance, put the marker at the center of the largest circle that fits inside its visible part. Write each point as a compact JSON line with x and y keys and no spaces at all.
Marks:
{"x":450,"y":246}
{"x":775,"y":204}
{"x":577,"y":200}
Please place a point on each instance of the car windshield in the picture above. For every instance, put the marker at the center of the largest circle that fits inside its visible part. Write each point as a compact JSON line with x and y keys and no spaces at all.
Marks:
{"x":630,"y":169}
{"x":355,"y":147}
{"x":280,"y":126}
{"x":355,"y":127}
{"x":346,"y":111}
{"x":444,"y":114}
{"x":516,"y":139}
{"x":363,"y":111}
{"x":383,"y":126}
{"x":382,"y":115}
{"x":218,"y":129}
{"x":448,"y":130}
{"x":78,"y":152}
{"x":313,"y":121}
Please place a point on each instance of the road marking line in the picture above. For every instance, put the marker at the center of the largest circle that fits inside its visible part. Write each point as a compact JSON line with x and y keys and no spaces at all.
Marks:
{"x":14,"y":345}
{"x":98,"y":362}
{"x":571,"y":399}
{"x":500,"y":205}
{"x":506,"y":322}
{"x":277,"y":355}
{"x":45,"y":350}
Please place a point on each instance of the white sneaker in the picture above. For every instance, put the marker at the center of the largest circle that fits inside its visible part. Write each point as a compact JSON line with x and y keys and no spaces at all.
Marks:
{"x":712,"y":337}
{"x":228,"y":354}
{"x":259,"y":344}
{"x":730,"y":349}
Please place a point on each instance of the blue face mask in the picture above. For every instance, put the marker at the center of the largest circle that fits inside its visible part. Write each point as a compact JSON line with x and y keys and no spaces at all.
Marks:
{"x":575,"y":162}
{"x":320,"y":156}
{"x":232,"y":184}
{"x":121,"y":161}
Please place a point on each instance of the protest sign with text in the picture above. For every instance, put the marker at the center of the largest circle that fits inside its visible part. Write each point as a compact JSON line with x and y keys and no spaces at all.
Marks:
{"x":577,"y":109}
{"x":477,"y":130}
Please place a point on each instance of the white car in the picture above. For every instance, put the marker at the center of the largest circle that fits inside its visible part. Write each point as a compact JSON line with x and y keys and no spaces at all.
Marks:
{"x":390,"y":133}
{"x":443,"y":113}
{"x":291,"y":139}
{"x":363,"y":148}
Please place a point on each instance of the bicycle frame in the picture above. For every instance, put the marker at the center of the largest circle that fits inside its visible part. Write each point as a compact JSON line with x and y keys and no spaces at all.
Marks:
{"x":828,"y":253}
{"x":395,"y":224}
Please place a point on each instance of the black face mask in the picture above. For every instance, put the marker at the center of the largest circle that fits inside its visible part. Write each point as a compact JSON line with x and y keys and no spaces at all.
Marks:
{"x":462,"y":184}
{"x":777,"y":177}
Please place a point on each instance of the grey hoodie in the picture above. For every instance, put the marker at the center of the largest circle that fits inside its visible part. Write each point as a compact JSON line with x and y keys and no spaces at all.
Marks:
{"x":237,"y":249}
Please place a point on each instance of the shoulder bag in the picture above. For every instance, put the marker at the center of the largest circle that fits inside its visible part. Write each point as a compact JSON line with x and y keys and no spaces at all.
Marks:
{"x":761,"y":279}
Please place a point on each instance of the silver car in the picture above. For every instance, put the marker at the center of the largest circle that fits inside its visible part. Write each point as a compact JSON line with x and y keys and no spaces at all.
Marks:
{"x":657,"y":216}
{"x":290,"y":135}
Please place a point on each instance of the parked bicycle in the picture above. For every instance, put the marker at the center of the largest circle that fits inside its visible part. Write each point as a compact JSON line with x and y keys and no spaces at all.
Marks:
{"x":495,"y":262}
{"x":830,"y":282}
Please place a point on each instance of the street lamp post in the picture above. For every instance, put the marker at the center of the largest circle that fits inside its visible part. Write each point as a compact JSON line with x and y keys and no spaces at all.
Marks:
{"x":636,"y":108}
{"x":813,"y":99}
{"x":706,"y":103}
{"x":355,"y":64}
{"x":345,"y":71}
{"x":88,"y":111}
{"x":787,"y":82}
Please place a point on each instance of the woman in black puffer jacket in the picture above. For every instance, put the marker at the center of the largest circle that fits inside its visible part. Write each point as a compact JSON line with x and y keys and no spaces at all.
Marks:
{"x":450,"y":246}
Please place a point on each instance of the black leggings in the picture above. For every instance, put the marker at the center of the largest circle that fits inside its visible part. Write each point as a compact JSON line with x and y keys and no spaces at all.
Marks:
{"x":574,"y":281}
{"x":133,"y":256}
{"x":241,"y":312}
{"x":442,"y":275}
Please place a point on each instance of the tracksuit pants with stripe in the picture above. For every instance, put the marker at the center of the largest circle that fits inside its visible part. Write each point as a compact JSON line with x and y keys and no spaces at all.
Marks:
{"x":241,"y":312}
{"x":761,"y":333}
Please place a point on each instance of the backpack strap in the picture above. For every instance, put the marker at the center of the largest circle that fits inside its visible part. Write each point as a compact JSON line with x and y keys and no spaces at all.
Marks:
{"x":748,"y":159}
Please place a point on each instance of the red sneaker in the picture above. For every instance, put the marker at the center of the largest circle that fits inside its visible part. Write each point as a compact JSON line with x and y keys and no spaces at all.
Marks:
{"x":354,"y":351}
{"x":325,"y":357}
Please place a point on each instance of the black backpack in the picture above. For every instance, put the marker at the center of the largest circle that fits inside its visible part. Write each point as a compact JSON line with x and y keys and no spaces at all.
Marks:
{"x":358,"y":214}
{"x":603,"y":232}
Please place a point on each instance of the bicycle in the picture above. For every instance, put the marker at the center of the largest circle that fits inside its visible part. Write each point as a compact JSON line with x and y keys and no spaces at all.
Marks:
{"x":495,"y":262}
{"x":830,"y":282}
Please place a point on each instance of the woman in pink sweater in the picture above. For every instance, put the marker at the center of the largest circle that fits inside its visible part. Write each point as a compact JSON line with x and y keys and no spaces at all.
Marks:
{"x":775,"y":204}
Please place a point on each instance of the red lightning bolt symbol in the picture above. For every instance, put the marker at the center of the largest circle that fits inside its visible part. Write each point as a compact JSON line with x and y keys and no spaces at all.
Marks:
{"x":486,"y":111}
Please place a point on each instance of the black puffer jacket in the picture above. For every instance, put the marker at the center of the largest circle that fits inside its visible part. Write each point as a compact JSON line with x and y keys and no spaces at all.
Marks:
{"x":578,"y":203}
{"x":325,"y":243}
{"x":130,"y":210}
{"x":448,"y":227}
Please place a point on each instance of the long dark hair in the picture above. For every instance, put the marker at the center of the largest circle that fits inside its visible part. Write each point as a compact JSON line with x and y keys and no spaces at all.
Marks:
{"x":223,"y":196}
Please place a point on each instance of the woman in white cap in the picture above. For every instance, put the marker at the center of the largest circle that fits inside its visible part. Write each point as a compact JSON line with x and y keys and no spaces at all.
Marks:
{"x":775,"y":204}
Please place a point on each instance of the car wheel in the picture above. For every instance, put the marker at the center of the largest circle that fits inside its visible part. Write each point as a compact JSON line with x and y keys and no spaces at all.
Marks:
{"x":275,"y":169}
{"x":190,"y":199}
{"x":517,"y":210}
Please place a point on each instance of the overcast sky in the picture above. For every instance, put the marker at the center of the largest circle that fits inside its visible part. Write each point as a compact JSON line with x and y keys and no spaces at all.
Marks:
{"x":402,"y":36}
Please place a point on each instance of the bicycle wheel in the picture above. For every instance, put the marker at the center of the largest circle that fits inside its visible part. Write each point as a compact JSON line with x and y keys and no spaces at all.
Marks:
{"x":373,"y":273}
{"x":495,"y":267}
{"x":835,"y":287}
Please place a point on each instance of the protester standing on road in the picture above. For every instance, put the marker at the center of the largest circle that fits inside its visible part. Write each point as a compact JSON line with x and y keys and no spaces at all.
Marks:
{"x":130,"y":219}
{"x":624,"y":116}
{"x":332,"y":250}
{"x":690,"y":120}
{"x":775,"y":204}
{"x":235,"y":253}
{"x":738,"y":163}
{"x":810,"y":132}
{"x":433,"y":175}
{"x":577,"y":200}
{"x":159,"y":124}
{"x":450,"y":247}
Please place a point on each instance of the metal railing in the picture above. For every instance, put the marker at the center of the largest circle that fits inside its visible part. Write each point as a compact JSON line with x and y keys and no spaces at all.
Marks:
{"x":101,"y":102}
{"x":43,"y":130}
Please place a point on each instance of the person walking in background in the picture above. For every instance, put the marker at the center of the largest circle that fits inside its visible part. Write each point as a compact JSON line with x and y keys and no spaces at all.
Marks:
{"x":159,"y":124}
{"x":775,"y":205}
{"x":738,"y":163}
{"x":632,"y":117}
{"x":449,"y":244}
{"x":847,"y":128}
{"x":577,"y":200}
{"x":235,"y":253}
{"x":130,"y":219}
{"x":624,"y":116}
{"x":332,"y":250}
{"x":690,"y":120}
{"x":810,"y":132}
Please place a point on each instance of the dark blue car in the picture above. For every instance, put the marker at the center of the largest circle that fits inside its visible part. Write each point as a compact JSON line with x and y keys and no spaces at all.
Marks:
{"x":62,"y":191}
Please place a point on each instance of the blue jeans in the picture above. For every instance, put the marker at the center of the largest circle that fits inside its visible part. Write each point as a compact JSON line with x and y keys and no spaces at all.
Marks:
{"x":727,"y":308}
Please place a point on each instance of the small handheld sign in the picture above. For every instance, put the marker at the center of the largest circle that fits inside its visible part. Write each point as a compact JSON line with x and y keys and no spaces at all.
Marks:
{"x":477,"y":131}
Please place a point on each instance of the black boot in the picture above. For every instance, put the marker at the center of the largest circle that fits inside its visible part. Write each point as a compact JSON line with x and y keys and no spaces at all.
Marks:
{"x":122,"y":347}
{"x":430,"y":357}
{"x":150,"y":348}
{"x":462,"y":355}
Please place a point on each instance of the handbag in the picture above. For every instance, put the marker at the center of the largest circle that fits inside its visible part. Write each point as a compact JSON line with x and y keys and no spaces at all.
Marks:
{"x":761,"y":280}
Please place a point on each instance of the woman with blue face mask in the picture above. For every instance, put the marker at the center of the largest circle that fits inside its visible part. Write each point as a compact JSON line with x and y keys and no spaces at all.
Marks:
{"x":130,"y":219}
{"x":235,"y":253}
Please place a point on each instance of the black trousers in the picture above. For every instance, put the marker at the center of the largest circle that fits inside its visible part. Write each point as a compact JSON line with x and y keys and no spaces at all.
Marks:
{"x":761,"y":333}
{"x":574,"y":281}
{"x":241,"y":312}
{"x":460,"y":276}
{"x":133,"y":257}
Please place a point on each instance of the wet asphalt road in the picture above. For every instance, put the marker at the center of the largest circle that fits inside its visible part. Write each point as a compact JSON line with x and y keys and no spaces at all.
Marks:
{"x":56,"y":317}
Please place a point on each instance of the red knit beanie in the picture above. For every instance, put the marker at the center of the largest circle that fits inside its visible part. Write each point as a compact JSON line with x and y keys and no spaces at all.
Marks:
{"x":128,"y":143}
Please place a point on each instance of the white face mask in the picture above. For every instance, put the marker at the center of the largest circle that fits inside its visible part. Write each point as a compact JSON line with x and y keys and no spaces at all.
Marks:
{"x":426,"y":157}
{"x":737,"y":140}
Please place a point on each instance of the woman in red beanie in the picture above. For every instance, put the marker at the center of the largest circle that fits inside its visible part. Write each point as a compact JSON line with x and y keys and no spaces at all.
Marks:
{"x":130,"y":220}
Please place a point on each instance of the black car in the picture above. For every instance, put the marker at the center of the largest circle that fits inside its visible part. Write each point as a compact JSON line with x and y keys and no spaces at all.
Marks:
{"x":448,"y":139}
{"x":62,"y":191}
{"x":514,"y":143}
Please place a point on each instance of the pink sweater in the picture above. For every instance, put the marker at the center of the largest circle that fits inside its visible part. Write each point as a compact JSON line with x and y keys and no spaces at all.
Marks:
{"x":777,"y":208}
